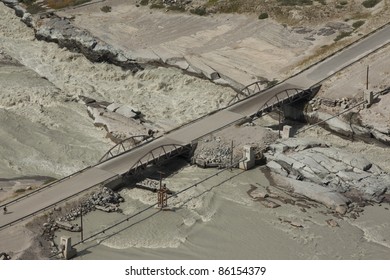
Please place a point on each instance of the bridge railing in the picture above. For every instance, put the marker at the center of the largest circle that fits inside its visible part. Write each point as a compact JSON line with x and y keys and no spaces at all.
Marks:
{"x":247,"y":91}
{"x":124,"y":146}
{"x":163,"y":152}
{"x":286,"y":96}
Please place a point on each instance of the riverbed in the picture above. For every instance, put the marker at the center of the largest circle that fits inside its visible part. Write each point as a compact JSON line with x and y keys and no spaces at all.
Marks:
{"x":45,"y":131}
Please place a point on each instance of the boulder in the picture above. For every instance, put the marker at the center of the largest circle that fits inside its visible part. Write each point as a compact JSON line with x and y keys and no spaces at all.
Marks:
{"x":333,"y":124}
{"x":10,"y":3}
{"x":337,"y":125}
{"x":269,"y":204}
{"x":258,"y":194}
{"x":68,"y":226}
{"x":373,"y":187}
{"x":332,"y":223}
{"x":277,"y":168}
{"x":352,"y":176}
{"x":330,"y":199}
{"x":28,"y":20}
{"x":113,"y":107}
{"x":310,"y":161}
{"x":353,"y":160}
{"x":126,"y":111}
{"x":382,"y":137}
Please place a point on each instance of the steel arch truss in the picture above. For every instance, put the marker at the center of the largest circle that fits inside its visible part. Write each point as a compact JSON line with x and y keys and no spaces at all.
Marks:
{"x":124,"y":146}
{"x":247,"y":91}
{"x":158,"y":155}
{"x":286,"y":96}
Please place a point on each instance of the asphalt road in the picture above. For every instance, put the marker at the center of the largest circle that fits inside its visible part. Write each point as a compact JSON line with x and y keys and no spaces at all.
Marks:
{"x":189,"y":133}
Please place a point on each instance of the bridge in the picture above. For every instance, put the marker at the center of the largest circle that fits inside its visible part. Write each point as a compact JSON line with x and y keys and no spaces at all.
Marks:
{"x":122,"y":161}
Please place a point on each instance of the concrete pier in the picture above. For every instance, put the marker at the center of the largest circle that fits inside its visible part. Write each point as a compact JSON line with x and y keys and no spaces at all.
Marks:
{"x":66,"y":248}
{"x":249,"y":157}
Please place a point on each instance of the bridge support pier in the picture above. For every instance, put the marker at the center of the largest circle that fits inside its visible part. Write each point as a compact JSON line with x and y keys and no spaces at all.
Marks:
{"x":287,"y":132}
{"x":66,"y":248}
{"x":249,"y":157}
{"x":369,"y":98}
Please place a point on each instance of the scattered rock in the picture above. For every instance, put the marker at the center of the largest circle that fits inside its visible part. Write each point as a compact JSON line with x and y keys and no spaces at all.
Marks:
{"x":126,"y":111}
{"x":332,"y":223}
{"x":269,"y":204}
{"x":68,"y":226}
{"x":113,"y":107}
{"x":296,"y":224}
{"x":258,"y":194}
{"x":326,"y":31}
{"x":4,"y":256}
{"x":121,"y":121}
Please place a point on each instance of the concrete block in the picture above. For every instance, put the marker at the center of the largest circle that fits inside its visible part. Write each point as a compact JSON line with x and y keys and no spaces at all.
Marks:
{"x":369,"y":98}
{"x":66,"y":247}
{"x":287,"y":132}
{"x":249,"y":156}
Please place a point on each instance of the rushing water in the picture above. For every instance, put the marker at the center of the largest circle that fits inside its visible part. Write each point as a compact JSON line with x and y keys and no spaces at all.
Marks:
{"x":44,"y":131}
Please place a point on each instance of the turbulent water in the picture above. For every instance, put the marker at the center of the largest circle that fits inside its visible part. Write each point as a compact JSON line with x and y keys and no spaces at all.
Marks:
{"x":45,"y":132}
{"x":217,"y":219}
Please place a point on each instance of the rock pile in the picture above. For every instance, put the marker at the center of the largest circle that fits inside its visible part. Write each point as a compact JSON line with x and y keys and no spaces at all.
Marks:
{"x":328,"y":175}
{"x":343,"y":103}
{"x":4,"y":256}
{"x":149,"y":184}
{"x":106,"y":200}
{"x":331,"y":28}
{"x":218,"y":154}
{"x":215,"y":150}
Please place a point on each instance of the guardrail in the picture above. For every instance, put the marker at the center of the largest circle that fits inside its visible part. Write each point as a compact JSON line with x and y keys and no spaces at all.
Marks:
{"x":164,"y":153}
{"x":120,"y":147}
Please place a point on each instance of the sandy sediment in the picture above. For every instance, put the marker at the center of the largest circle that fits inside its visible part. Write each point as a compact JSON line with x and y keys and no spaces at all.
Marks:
{"x":43,"y":114}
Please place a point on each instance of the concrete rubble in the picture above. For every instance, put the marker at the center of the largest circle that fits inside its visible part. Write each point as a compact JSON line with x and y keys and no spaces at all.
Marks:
{"x":220,"y":156}
{"x":121,"y":121}
{"x":351,"y":124}
{"x":327,"y":175}
{"x":105,"y":200}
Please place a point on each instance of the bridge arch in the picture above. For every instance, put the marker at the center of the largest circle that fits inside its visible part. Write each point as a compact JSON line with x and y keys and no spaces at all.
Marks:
{"x":124,"y":146}
{"x":286,"y":96}
{"x":247,"y":91}
{"x":158,"y":155}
